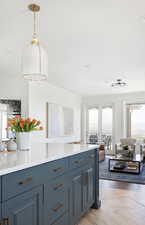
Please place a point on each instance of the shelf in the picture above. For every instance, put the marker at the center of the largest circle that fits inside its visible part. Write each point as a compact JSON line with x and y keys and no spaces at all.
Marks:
{"x":125,"y":170}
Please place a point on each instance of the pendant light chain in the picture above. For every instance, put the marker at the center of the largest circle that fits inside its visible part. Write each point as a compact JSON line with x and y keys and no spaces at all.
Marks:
{"x":34,"y":33}
{"x":36,"y":40}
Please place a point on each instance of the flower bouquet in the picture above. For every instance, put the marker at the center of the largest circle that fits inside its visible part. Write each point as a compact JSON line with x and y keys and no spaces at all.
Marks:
{"x":22,"y":127}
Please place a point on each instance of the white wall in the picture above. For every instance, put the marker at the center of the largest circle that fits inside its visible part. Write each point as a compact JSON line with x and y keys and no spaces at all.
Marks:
{"x":118,"y":102}
{"x":34,"y":97}
{"x":39,"y":95}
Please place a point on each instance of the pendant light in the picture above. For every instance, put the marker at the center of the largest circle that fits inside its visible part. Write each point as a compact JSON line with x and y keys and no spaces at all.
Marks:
{"x":35,"y":59}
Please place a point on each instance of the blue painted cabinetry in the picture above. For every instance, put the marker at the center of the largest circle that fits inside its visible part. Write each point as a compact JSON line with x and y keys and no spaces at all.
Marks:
{"x":0,"y":203}
{"x":0,"y":214}
{"x":24,"y":209}
{"x":55,"y":193}
{"x":76,"y":198}
{"x":88,"y":188}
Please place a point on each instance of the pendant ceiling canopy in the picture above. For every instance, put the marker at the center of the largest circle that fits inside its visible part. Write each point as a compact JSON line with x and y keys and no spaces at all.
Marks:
{"x":35,"y":59}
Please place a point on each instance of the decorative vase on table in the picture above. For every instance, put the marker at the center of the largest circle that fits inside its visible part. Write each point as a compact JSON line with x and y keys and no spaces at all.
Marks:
{"x":22,"y":128}
{"x":11,"y":145}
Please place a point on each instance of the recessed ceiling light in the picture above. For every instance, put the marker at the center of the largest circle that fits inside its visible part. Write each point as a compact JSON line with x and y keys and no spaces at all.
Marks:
{"x":87,"y":66}
{"x":119,"y":83}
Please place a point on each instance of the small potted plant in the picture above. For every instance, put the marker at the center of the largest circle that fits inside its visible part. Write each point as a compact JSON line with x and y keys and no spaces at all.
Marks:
{"x":22,"y":127}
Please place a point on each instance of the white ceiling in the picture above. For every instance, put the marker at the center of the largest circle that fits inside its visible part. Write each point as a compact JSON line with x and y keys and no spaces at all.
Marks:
{"x":90,"y":43}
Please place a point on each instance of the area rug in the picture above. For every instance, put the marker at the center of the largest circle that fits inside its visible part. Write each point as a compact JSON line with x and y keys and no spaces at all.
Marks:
{"x":104,"y":174}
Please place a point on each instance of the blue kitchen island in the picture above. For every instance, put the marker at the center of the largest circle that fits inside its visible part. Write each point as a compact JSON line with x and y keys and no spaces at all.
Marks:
{"x":52,"y":184}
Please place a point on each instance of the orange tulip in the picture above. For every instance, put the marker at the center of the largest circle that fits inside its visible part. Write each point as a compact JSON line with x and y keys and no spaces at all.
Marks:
{"x":28,"y":121}
{"x":22,"y":123}
{"x":34,"y":121}
{"x":38,"y":122}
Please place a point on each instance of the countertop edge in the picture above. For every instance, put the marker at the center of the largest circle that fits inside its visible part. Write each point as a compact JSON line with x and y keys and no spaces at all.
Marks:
{"x":40,"y":162}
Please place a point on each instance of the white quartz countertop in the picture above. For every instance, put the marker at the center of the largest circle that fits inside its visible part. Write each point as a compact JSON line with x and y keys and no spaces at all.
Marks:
{"x":38,"y":154}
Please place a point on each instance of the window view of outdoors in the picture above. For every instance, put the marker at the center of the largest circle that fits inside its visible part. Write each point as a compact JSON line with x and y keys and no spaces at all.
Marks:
{"x":136,"y":120}
{"x":107,"y":121}
{"x":105,"y":134}
{"x":92,"y":135}
{"x":93,"y":121}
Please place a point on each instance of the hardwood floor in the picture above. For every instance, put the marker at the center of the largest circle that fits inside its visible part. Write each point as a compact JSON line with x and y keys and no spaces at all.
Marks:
{"x":122,"y":204}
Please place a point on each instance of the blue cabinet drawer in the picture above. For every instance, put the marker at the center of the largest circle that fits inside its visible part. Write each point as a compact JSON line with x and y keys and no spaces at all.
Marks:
{"x":55,"y":186}
{"x":91,"y":156}
{"x":78,"y":160}
{"x":63,"y":220}
{"x":55,"y":206}
{"x":18,"y":182}
{"x":57,"y":168}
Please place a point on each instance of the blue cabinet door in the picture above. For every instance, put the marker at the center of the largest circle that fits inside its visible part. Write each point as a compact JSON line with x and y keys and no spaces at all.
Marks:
{"x":88,"y":188}
{"x":63,"y":220}
{"x":0,"y":212}
{"x":0,"y":190}
{"x":91,"y":184}
{"x":25,"y":208}
{"x":76,"y":206}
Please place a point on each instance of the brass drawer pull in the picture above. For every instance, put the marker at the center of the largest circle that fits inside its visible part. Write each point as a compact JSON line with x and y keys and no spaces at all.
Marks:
{"x":58,"y":168}
{"x":58,"y":186}
{"x":28,"y":180}
{"x":58,"y":207}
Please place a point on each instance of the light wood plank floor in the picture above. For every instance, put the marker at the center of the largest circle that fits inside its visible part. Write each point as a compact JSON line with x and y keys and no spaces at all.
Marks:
{"x":122,"y":204}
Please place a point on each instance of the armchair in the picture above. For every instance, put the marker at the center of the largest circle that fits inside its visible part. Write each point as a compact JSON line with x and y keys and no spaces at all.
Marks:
{"x":142,"y":150}
{"x":130,"y":142}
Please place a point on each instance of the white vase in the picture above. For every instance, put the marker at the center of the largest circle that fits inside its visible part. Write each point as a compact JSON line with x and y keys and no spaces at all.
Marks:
{"x":23,"y":140}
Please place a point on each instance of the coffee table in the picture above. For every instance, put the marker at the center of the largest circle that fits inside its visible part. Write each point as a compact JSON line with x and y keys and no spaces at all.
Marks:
{"x":126,"y":165}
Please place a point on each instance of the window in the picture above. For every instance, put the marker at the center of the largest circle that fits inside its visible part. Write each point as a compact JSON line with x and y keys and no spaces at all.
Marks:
{"x":92,"y":135}
{"x":100,"y":126}
{"x":107,"y":115}
{"x":107,"y":120}
{"x":136,"y":120}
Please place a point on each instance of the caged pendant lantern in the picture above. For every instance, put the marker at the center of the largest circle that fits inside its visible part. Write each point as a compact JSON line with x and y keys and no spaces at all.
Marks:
{"x":35,"y":59}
